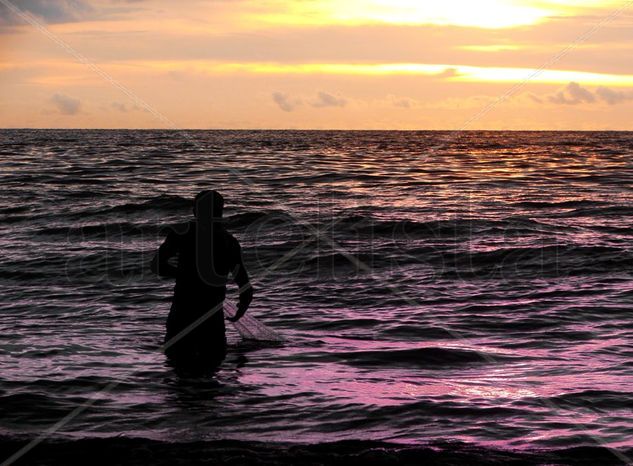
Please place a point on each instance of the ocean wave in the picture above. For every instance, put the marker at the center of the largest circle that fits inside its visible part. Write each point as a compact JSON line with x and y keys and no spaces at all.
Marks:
{"x":445,"y":260}
{"x":37,"y":407}
{"x":417,"y":357}
{"x":559,"y":204}
{"x":420,"y":357}
{"x":159,"y":205}
{"x":116,"y":258}
{"x":14,"y":209}
{"x":164,"y":202}
{"x":598,"y":212}
{"x":590,"y":399}
{"x":417,"y":331}
{"x":352,"y":224}
{"x":453,"y":228}
{"x":110,"y":263}
{"x":270,"y":218}
{"x":115,"y":230}
{"x":555,"y":259}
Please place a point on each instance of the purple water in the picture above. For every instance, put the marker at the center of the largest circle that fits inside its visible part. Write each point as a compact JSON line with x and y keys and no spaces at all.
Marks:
{"x":430,"y":286}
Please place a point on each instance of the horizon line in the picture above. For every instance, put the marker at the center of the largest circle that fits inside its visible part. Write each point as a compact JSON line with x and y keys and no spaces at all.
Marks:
{"x":327,"y":130}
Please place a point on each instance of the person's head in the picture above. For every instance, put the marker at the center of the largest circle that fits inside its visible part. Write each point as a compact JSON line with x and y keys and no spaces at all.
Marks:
{"x":208,"y":205}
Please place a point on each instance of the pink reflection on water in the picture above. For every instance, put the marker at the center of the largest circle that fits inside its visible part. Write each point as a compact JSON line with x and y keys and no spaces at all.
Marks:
{"x":339,"y":384}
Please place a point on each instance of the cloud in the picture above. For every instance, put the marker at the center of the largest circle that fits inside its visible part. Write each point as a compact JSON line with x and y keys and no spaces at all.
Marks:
{"x":51,"y":11}
{"x":573,"y":94}
{"x":613,"y":97}
{"x":402,"y":103}
{"x":322,"y":100}
{"x":328,"y":100}
{"x":448,"y":73}
{"x":120,"y":107}
{"x":284,"y":102}
{"x":398,"y":101}
{"x":65,"y":11}
{"x":66,"y":105}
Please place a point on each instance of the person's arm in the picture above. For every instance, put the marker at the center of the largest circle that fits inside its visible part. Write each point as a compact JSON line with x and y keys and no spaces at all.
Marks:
{"x":160,"y":264}
{"x":240,"y":276}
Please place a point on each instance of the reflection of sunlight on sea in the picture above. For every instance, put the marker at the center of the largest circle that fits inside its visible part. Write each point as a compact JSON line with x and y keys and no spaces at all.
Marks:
{"x":364,"y":389}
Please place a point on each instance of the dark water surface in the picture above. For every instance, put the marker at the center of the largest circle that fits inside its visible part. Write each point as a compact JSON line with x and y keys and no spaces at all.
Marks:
{"x":432,"y":287}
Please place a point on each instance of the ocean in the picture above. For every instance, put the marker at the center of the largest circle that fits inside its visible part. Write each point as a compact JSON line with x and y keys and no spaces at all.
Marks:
{"x":444,"y":297}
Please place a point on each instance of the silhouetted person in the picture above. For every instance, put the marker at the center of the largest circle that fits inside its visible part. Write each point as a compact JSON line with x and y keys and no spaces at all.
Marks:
{"x":206,"y":254}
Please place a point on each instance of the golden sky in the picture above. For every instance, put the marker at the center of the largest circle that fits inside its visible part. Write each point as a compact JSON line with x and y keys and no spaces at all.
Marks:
{"x":352,"y":64}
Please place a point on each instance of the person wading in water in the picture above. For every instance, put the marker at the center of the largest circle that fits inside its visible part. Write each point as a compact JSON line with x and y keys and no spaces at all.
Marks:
{"x":206,"y":254}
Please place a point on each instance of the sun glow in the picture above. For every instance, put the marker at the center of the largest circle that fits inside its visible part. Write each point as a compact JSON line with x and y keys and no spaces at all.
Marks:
{"x":355,"y":64}
{"x":489,"y":14}
{"x":452,"y":73}
{"x":480,"y":13}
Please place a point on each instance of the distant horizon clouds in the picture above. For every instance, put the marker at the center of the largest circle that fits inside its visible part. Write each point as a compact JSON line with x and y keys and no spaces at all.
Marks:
{"x":66,"y":105}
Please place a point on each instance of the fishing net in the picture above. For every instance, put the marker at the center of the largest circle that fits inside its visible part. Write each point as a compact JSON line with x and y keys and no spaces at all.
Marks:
{"x":250,"y":328}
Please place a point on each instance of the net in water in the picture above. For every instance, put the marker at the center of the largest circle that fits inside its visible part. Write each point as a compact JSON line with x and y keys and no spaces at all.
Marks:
{"x":250,"y":328}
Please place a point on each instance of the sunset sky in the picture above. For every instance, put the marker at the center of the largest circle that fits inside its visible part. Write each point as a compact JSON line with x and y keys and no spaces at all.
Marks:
{"x":353,"y":64}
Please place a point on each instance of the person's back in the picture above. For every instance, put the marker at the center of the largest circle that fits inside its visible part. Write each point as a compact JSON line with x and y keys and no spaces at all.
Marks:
{"x":206,"y":255}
